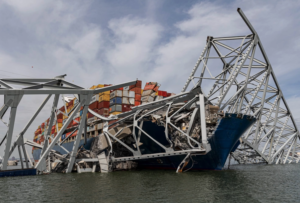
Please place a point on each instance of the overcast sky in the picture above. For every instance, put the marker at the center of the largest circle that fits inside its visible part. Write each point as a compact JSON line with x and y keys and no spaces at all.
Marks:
{"x":96,"y":42}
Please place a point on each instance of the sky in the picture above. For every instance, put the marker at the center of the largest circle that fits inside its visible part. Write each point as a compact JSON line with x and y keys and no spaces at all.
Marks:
{"x":109,"y":42}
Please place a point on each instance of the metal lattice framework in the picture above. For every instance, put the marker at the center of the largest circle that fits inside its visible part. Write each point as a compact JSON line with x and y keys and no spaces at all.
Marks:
{"x":13,"y":91}
{"x":245,"y":83}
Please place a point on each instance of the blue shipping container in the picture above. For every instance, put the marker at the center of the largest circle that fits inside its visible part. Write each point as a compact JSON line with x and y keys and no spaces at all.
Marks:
{"x":63,"y":136}
{"x":116,"y":100}
{"x":81,"y":113}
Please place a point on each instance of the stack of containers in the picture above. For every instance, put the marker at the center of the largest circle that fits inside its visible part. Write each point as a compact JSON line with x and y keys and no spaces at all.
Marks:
{"x":59,"y":120}
{"x":149,"y":92}
{"x":137,"y":89}
{"x":115,"y":104}
{"x":104,"y":99}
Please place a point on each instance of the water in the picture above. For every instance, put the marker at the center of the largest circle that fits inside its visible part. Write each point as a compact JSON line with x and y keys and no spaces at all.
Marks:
{"x":256,"y":183}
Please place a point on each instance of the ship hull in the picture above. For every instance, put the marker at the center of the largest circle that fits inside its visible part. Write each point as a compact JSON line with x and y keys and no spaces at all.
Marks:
{"x":224,"y":140}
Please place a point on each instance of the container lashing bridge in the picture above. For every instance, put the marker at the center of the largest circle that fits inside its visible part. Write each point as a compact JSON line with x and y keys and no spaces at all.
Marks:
{"x":233,"y":73}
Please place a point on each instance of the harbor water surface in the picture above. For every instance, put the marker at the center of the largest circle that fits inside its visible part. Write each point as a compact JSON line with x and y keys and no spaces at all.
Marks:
{"x":243,"y":183}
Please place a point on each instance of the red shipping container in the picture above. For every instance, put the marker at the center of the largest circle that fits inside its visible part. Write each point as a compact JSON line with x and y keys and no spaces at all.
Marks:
{"x":59,"y":120}
{"x":126,"y":107}
{"x":103,"y":104}
{"x":164,"y":93}
{"x":75,"y":133}
{"x":138,"y":84}
{"x":60,"y":116}
{"x":149,"y":87}
{"x":43,"y":125}
{"x":94,"y":105}
{"x":90,"y":115}
{"x":77,"y":119}
{"x":81,"y":108}
{"x":137,"y":103}
{"x":168,"y":94}
{"x":104,"y":111}
{"x":138,"y":97}
{"x":74,"y":123}
{"x":107,"y":85}
{"x":71,"y":102}
{"x":137,"y":90}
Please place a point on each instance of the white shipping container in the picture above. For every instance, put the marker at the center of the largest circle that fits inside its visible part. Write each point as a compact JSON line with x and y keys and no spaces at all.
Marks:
{"x":125,"y":93}
{"x":116,"y":107}
{"x":158,"y":98}
{"x":131,"y":101}
{"x":112,"y":94}
{"x":132,"y":94}
{"x":99,"y":126}
{"x":126,"y":88}
{"x":147,"y":99}
{"x":91,"y":128}
{"x":125,"y":100}
{"x":119,"y":93}
{"x":89,"y":120}
{"x":147,"y":92}
{"x":94,"y":98}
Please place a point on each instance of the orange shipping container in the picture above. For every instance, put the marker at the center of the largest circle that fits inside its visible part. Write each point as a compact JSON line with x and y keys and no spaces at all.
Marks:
{"x":138,"y":97}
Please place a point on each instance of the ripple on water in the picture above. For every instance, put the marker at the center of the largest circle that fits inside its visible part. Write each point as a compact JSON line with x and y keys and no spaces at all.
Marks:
{"x":256,"y":183}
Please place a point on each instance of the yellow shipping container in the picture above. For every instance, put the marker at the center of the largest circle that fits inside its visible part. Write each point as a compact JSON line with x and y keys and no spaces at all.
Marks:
{"x":142,"y":91}
{"x":100,"y":86}
{"x":93,"y":87}
{"x":115,"y":113}
{"x":65,"y":117}
{"x":59,"y":125}
{"x":104,"y":97}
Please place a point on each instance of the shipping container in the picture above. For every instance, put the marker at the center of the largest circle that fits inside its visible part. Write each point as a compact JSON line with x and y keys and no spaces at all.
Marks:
{"x":125,"y":93}
{"x":147,"y":93}
{"x":99,"y":126}
{"x":125,"y":100}
{"x":126,"y":107}
{"x":103,"y":104}
{"x":94,"y":105}
{"x":93,"y":87}
{"x":131,"y":101}
{"x":116,"y":100}
{"x":94,"y":98}
{"x":115,"y":113}
{"x":100,"y":85}
{"x":158,"y":98}
{"x":137,"y":90}
{"x":126,"y":88}
{"x":116,"y":93}
{"x":147,"y":99}
{"x":60,"y":116}
{"x":131,"y":94}
{"x":104,"y":97}
{"x":138,"y":97}
{"x":114,"y":108}
{"x":104,"y":111}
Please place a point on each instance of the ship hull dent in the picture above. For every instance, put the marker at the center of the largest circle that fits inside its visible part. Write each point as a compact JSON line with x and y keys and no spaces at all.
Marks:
{"x":224,"y":140}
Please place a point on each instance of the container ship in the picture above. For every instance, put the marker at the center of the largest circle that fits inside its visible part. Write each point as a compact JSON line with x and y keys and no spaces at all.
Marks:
{"x":224,"y":129}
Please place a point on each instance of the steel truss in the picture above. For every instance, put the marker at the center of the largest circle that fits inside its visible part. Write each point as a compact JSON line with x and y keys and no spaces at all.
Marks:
{"x":59,"y":87}
{"x":245,"y":83}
